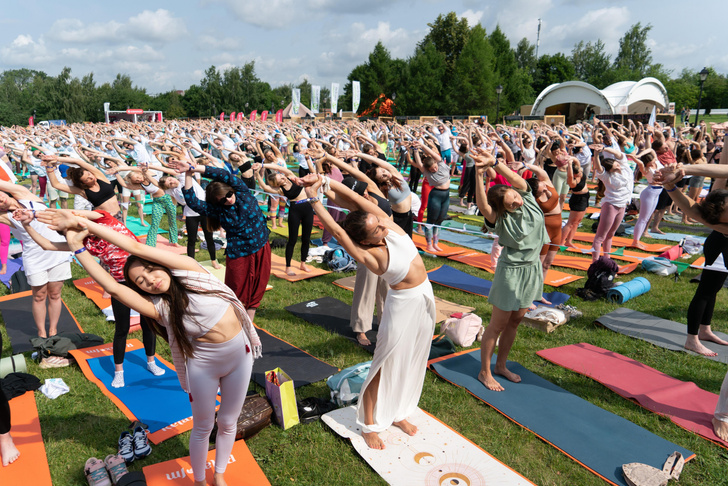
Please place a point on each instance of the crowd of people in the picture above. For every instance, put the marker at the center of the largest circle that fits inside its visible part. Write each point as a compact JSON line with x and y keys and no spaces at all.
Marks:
{"x":519,"y":178}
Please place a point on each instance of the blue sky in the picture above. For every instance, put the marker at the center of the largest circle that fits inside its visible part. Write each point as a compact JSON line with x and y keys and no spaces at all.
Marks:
{"x":168,"y":45}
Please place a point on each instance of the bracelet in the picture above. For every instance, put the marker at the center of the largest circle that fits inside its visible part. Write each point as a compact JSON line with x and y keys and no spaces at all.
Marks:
{"x":496,"y":163}
{"x":80,"y":250}
{"x":308,"y":200}
{"x":671,"y":190}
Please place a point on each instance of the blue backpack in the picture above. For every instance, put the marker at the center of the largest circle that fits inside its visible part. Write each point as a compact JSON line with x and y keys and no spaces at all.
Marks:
{"x":346,"y":384}
{"x":338,"y":260}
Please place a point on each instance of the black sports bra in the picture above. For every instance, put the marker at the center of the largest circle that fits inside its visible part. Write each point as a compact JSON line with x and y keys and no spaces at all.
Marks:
{"x":97,"y":198}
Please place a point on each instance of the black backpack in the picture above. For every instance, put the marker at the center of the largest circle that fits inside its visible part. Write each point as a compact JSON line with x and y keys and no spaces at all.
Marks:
{"x":600,"y":278}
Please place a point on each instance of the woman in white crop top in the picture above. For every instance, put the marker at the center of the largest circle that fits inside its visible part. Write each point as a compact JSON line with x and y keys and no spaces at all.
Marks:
{"x":394,"y":384}
{"x":212,"y":340}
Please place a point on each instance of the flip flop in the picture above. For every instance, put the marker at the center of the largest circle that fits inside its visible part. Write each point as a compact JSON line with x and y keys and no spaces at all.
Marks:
{"x":116,"y":466}
{"x":96,"y":474}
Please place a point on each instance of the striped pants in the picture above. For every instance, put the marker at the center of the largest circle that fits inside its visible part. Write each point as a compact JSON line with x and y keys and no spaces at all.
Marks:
{"x":161,"y":205}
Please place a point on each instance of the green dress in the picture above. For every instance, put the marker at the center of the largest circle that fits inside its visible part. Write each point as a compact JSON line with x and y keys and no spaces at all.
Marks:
{"x":518,"y":279}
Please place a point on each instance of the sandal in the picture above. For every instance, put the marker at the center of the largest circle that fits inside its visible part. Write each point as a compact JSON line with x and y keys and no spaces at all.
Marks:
{"x":116,"y":466}
{"x":96,"y":474}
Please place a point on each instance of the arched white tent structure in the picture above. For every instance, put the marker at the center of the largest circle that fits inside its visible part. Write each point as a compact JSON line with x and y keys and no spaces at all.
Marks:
{"x":574,"y":98}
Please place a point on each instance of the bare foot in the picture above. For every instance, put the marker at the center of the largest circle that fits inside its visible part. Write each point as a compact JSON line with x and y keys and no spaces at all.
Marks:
{"x":406,"y":427}
{"x":216,"y":265}
{"x":658,"y":231}
{"x":430,"y":249}
{"x":544,"y":301}
{"x":638,"y":244}
{"x":8,"y":451}
{"x":143,"y":223}
{"x":362,"y":339}
{"x":289,"y":271}
{"x":437,"y":247}
{"x":719,"y":427}
{"x":569,"y":244}
{"x":489,"y":382}
{"x":532,"y":307}
{"x":373,"y":441}
{"x":699,"y":348}
{"x":281,"y":223}
{"x":201,"y":483}
{"x":305,"y":268}
{"x":708,"y":335}
{"x":3,"y":270}
{"x":42,"y":334}
{"x":218,"y":479}
{"x":507,"y":374}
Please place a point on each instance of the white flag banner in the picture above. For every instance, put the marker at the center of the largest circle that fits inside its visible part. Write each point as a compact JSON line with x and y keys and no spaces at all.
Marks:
{"x":334,"y":97}
{"x":653,"y":116}
{"x":315,"y":97}
{"x":355,"y":95}
{"x":295,"y":101}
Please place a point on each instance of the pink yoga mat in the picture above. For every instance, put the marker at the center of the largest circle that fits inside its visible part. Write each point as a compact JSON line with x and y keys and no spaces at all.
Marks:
{"x":688,"y":406}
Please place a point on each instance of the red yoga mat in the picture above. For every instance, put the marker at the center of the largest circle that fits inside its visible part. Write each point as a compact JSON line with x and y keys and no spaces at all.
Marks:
{"x":688,"y":406}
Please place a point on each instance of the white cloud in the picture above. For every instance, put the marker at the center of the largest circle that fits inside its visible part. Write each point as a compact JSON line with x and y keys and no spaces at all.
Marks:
{"x":607,"y":24}
{"x":158,"y":26}
{"x":219,"y":43}
{"x":24,"y":51}
{"x":472,"y":17}
{"x":74,"y":31}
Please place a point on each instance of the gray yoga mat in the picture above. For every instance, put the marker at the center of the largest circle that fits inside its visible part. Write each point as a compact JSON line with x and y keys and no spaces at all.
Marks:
{"x":677,"y":237}
{"x":467,"y":240}
{"x":660,"y":332}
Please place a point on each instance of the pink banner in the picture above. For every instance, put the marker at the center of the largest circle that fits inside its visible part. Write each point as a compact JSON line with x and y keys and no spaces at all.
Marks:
{"x":253,"y":115}
{"x":30,"y":121}
{"x":264,"y":115}
{"x":241,"y":115}
{"x":279,"y":116}
{"x":232,"y":116}
{"x":222,"y":116}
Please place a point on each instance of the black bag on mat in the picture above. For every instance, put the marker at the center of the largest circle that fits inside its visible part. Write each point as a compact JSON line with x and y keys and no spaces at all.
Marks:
{"x":18,"y":282}
{"x":255,"y":416}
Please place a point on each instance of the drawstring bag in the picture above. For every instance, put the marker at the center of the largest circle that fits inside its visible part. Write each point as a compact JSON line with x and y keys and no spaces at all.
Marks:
{"x":463,"y":329}
{"x":346,"y":384}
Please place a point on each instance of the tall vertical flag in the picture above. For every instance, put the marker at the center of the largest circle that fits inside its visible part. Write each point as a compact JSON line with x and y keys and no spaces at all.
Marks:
{"x":315,"y":98}
{"x":653,"y":116}
{"x":232,"y":116}
{"x":355,"y":95}
{"x":253,"y":115}
{"x":279,"y":116}
{"x":222,"y":116}
{"x":264,"y":116}
{"x":334,"y":97}
{"x":295,"y":101}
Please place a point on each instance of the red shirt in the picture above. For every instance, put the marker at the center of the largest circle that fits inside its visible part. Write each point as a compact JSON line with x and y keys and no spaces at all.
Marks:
{"x":111,"y":256}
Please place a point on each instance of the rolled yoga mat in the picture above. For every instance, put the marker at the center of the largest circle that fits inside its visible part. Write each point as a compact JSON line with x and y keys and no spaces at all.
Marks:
{"x":628,"y":290}
{"x":12,"y":364}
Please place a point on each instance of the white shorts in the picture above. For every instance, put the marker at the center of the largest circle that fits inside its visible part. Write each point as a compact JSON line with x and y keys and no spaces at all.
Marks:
{"x":54,"y":194}
{"x":138,"y":193}
{"x":59,"y":273}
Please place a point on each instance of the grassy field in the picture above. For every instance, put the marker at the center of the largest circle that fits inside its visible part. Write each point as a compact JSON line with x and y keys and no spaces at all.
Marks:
{"x":84,"y":423}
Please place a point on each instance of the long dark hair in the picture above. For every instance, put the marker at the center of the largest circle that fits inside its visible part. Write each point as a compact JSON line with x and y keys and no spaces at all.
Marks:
{"x":355,"y":225}
{"x":495,"y":197}
{"x":75,"y":174}
{"x":213,"y":193}
{"x":713,"y":206}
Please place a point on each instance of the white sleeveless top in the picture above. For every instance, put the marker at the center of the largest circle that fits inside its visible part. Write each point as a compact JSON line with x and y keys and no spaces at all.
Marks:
{"x":402,"y":251}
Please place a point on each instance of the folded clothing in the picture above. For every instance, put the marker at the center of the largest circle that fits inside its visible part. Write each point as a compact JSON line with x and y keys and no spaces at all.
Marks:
{"x":54,"y":388}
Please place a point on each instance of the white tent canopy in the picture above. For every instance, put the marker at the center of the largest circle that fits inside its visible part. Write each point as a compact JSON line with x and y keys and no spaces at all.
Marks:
{"x":572,"y":98}
{"x":302,"y":111}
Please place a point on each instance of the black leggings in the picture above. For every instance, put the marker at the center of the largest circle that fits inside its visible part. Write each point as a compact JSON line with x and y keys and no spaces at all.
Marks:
{"x":4,"y":406}
{"x":414,"y":178}
{"x":700,"y":311}
{"x":121,"y":318}
{"x":468,"y":187}
{"x":299,"y":215}
{"x":192,"y":223}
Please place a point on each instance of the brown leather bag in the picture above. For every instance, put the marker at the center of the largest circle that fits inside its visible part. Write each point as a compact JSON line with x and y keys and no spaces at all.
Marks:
{"x":255,"y":416}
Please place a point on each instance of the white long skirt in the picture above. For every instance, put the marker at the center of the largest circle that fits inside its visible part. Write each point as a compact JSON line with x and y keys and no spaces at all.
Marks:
{"x":403,"y":346}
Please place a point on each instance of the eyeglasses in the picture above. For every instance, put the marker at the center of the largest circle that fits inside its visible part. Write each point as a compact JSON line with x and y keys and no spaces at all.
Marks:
{"x":222,"y":200}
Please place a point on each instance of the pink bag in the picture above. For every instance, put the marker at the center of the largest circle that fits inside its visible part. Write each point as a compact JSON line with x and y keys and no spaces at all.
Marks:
{"x":463,"y":329}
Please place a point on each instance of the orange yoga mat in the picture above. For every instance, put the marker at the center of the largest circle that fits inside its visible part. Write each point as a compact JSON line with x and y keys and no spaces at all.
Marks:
{"x":31,"y":467}
{"x":627,"y":255}
{"x":583,"y":264}
{"x":447,"y":250}
{"x":95,"y":293}
{"x":278,"y":268}
{"x":476,"y":259}
{"x":242,"y":470}
{"x":589,"y":209}
{"x":621,"y":241}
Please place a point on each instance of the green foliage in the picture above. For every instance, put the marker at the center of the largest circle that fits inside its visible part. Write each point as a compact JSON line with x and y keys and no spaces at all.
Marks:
{"x":473,"y":79}
{"x":634,"y":57}
{"x":526,"y":55}
{"x":552,"y":69}
{"x":448,"y":35}
{"x":516,"y":81}
{"x":422,"y":92}
{"x":591,"y":63}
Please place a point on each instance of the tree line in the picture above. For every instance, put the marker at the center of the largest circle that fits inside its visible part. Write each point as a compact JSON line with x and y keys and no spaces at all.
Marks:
{"x":454,"y":70}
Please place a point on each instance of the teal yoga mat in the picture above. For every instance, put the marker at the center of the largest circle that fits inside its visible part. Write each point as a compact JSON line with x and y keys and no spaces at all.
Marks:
{"x":599,"y":440}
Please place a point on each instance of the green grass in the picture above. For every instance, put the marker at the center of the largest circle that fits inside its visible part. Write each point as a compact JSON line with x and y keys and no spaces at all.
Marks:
{"x":84,"y":423}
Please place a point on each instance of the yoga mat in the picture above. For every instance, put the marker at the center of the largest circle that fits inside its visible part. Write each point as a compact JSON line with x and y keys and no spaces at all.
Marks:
{"x":334,"y":316}
{"x":676,"y":237}
{"x":95,"y":293}
{"x":660,"y":332}
{"x":589,"y":209}
{"x":218,"y":272}
{"x":278,"y":268}
{"x":157,"y":401}
{"x":467,"y":240}
{"x":593,"y":437}
{"x":164,"y":244}
{"x":242,"y":470}
{"x":463,"y":226}
{"x":447,"y":250}
{"x":13,"y":266}
{"x":436,"y":454}
{"x":553,"y":278}
{"x":19,"y":323}
{"x":578,"y":263}
{"x":443,"y":308}
{"x":682,"y":402}
{"x":621,"y":241}
{"x":623,"y":254}
{"x":628,"y":290}
{"x":135,"y":226}
{"x":31,"y":468}
{"x":448,"y":276}
{"x":303,"y":368}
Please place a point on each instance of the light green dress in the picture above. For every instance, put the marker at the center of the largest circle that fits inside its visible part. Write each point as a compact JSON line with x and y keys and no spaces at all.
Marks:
{"x":518,"y":279}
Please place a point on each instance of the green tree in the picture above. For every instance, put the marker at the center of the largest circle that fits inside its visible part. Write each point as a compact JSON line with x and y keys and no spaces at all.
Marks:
{"x":193,"y":102}
{"x":380,"y":74}
{"x":591,"y":63}
{"x":634,"y":57}
{"x":473,"y":79}
{"x":553,"y":69}
{"x":448,"y":34}
{"x":526,"y":55}
{"x":422,"y":90}
{"x":516,"y":82}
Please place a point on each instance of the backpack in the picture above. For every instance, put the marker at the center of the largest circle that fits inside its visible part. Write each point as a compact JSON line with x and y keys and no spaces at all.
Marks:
{"x":346,"y":384}
{"x":600,"y":278}
{"x":659,"y":265}
{"x":463,"y":329}
{"x":338,"y":260}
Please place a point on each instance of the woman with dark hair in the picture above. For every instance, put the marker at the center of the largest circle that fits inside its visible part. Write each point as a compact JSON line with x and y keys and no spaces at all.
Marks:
{"x":513,"y":214}
{"x":578,"y":202}
{"x":271,"y":155}
{"x":212,"y":339}
{"x":230,"y":205}
{"x":394,"y":384}
{"x":437,"y":173}
{"x":393,"y":185}
{"x":648,"y":165}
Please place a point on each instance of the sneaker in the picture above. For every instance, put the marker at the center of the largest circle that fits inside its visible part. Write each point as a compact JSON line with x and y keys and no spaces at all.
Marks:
{"x":126,"y":446}
{"x":96,"y":474}
{"x":141,"y":443}
{"x":116,"y":466}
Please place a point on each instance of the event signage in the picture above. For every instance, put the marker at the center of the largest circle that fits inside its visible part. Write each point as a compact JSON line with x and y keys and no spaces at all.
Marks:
{"x":253,"y":115}
{"x":315,"y":98}
{"x":355,"y":95}
{"x":279,"y":116}
{"x":134,"y":111}
{"x":334,"y":97}
{"x":296,"y":101}
{"x":264,"y":116}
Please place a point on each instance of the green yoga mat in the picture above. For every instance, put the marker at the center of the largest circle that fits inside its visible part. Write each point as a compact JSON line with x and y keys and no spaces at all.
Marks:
{"x":135,"y":226}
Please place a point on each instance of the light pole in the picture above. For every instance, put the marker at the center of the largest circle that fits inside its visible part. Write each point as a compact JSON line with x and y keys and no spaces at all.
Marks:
{"x":703,"y":76}
{"x":498,"y":90}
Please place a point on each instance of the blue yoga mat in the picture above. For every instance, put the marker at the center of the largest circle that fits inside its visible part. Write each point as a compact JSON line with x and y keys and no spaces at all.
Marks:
{"x":677,"y":237}
{"x":13,"y":266}
{"x":158,"y":401}
{"x":456,"y":279}
{"x":597,"y":439}
{"x":468,"y":241}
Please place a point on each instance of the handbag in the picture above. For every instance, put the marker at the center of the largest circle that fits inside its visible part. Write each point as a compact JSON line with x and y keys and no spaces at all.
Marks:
{"x":463,"y":329}
{"x":254,"y":417}
{"x":441,"y":346}
{"x":282,"y":395}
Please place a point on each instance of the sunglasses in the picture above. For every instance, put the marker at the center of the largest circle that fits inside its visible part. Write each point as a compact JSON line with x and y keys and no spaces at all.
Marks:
{"x":227,"y":196}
